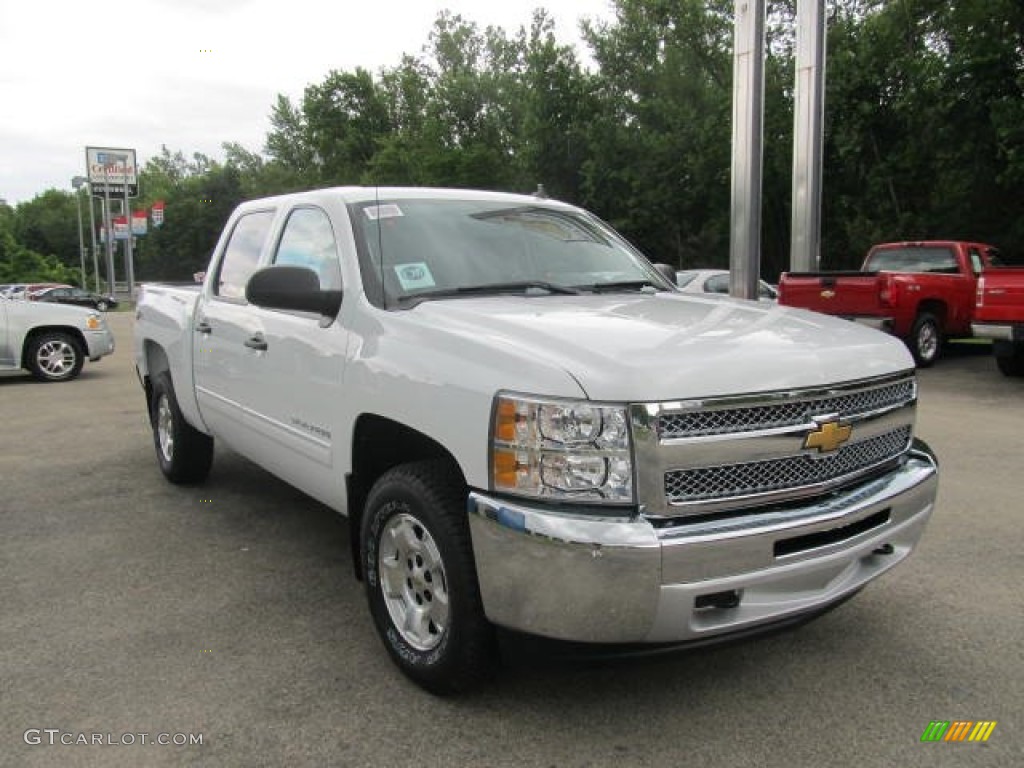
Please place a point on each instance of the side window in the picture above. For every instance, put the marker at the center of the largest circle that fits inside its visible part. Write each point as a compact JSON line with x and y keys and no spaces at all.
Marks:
{"x":683,"y":279}
{"x":308,"y":241}
{"x":717,"y":284}
{"x":242,"y":254}
{"x":976,"y":262}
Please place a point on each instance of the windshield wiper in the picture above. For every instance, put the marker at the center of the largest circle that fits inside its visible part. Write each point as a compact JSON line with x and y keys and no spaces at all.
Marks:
{"x":533,"y":287}
{"x":621,"y":285}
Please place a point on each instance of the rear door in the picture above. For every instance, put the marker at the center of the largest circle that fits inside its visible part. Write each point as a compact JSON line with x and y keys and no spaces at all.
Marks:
{"x":223,"y":334}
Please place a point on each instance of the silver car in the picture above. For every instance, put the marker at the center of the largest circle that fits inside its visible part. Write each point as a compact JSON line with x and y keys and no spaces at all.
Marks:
{"x":717,"y":281}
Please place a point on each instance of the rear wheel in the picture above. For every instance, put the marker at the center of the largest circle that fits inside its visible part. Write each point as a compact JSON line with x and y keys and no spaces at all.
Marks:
{"x":925,"y":340}
{"x":421,"y":582}
{"x":55,"y":356}
{"x":185,"y":454}
{"x":102,"y":305}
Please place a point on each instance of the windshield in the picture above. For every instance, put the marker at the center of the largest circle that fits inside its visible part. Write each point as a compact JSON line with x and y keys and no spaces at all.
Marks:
{"x":429,"y":249}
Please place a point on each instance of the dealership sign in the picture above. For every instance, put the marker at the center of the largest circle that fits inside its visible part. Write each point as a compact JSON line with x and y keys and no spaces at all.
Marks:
{"x":109,"y":170}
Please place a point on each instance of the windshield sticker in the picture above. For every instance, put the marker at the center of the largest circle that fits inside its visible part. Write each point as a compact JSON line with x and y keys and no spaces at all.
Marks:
{"x":415,"y":276}
{"x":386,"y":211}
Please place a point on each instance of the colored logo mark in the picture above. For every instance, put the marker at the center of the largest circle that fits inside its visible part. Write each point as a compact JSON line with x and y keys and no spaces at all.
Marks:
{"x":828,"y":436}
{"x":958,"y":730}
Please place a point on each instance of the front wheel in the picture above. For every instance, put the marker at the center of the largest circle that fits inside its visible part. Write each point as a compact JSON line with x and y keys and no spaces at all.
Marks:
{"x":1011,"y":364}
{"x":925,"y":339}
{"x":421,"y":582}
{"x":184,"y":453}
{"x":102,"y":305}
{"x":55,"y":356}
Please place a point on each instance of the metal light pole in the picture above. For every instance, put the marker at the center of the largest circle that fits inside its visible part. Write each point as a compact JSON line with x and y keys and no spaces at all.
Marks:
{"x":108,"y":228}
{"x":128,"y":256}
{"x":77,"y":183}
{"x":747,"y":148}
{"x":808,"y":135}
{"x":92,"y":235}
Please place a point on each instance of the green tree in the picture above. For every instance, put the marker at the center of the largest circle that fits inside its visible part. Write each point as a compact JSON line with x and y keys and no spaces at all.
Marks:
{"x":48,"y":224}
{"x":658,"y":165}
{"x":198,"y":196}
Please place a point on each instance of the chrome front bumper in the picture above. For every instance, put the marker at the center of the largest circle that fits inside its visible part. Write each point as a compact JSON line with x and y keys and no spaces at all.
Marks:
{"x":623,"y":580}
{"x":100,"y":343}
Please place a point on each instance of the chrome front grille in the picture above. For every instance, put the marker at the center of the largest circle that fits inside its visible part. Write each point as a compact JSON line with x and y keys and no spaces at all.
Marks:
{"x":740,"y":453}
{"x":798,"y":471}
{"x":730,"y":419}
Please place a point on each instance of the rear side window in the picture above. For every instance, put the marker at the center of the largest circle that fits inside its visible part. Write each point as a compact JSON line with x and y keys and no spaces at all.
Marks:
{"x":242,"y":254}
{"x":976,"y":262}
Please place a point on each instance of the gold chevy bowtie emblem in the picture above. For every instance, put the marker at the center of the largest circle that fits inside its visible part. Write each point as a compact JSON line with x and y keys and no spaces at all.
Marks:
{"x":828,"y":436}
{"x":827,"y":294}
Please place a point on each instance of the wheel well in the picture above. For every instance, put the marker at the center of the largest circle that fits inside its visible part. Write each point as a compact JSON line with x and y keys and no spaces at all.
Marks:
{"x":378,"y":444}
{"x":68,"y":329}
{"x":156,"y":362}
{"x":935,"y":307}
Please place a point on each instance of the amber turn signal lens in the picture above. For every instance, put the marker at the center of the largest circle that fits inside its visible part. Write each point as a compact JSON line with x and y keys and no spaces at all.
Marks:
{"x":504,"y":469}
{"x":505,"y":418}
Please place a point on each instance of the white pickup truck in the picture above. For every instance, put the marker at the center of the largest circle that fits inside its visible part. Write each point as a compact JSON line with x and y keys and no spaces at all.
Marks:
{"x":528,"y":426}
{"x":50,"y":341}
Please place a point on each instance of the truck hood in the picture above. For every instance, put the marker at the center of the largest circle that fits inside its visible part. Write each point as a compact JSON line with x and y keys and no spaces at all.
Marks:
{"x":44,"y":311}
{"x":666,"y":346}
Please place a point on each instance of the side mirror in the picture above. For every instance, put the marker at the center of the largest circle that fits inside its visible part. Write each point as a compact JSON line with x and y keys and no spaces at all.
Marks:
{"x":668,"y":272}
{"x":294,"y":288}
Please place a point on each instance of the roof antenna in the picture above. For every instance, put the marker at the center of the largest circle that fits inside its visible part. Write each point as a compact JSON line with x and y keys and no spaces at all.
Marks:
{"x":541,"y":193}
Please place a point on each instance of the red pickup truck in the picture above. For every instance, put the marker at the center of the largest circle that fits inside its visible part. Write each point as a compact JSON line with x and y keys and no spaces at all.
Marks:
{"x":999,"y":316}
{"x":923,"y":292}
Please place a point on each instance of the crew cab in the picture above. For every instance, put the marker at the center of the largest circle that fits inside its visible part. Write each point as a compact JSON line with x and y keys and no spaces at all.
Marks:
{"x":50,"y":341}
{"x":528,"y":426}
{"x":922,"y":292}
{"x":999,"y":315}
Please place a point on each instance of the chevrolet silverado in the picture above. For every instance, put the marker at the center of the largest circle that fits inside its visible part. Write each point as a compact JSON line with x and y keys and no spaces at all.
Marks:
{"x":528,"y":426}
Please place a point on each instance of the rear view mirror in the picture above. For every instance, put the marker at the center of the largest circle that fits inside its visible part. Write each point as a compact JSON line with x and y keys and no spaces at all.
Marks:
{"x":294,"y":288}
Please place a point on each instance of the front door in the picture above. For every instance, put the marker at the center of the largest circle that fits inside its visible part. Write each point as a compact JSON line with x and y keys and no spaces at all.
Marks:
{"x":300,"y":393}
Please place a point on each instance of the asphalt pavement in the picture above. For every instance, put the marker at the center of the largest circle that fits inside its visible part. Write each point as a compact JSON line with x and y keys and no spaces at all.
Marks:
{"x":228,"y":613}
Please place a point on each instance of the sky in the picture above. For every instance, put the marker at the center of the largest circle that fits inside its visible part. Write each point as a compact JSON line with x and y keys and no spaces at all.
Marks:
{"x":192,"y":74}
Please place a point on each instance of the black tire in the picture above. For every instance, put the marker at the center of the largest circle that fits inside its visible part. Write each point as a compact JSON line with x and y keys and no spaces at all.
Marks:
{"x":415,"y":537}
{"x":1012,"y":364}
{"x":54,"y":356}
{"x":184,"y":453}
{"x":925,"y":340}
{"x":102,"y":306}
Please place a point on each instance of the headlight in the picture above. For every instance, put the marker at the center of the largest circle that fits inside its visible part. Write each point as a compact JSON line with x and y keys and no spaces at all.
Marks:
{"x":563,"y":449}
